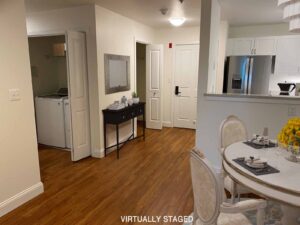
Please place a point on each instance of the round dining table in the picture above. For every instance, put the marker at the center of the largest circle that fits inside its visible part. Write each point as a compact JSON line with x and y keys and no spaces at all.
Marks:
{"x":282,"y":187}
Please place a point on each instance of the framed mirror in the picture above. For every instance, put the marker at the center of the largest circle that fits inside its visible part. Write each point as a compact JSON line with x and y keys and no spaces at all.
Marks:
{"x":117,"y":73}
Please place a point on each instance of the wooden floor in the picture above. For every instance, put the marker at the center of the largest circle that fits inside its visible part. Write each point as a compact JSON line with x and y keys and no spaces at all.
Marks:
{"x":151,"y":178}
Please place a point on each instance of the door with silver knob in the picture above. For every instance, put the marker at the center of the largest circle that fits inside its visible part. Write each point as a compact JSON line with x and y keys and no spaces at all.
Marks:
{"x":154,"y":70}
{"x":185,"y":85}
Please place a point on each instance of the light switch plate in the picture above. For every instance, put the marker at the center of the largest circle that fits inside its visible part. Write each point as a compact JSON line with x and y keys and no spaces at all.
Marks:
{"x":14,"y":94}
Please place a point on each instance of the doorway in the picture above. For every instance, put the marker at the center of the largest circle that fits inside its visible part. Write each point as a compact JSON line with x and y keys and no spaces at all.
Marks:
{"x":141,"y":73}
{"x":59,"y":80}
{"x":186,"y":64}
{"x":50,"y":89}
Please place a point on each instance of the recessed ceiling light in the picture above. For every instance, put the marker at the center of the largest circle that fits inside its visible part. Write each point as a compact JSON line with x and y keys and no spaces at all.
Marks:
{"x":177,"y":21}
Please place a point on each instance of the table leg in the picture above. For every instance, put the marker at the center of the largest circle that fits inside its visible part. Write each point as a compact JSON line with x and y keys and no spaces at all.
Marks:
{"x":117,"y":134}
{"x":144,"y":126}
{"x":133,"y":128}
{"x":104,"y":124}
{"x":291,"y":215}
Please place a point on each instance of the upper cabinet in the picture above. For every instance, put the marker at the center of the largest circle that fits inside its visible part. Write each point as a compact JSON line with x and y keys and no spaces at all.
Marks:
{"x":265,"y":46}
{"x":242,"y":46}
{"x":251,"y":46}
{"x":288,"y":55}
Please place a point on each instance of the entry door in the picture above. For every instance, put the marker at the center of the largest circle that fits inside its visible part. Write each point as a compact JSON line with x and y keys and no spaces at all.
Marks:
{"x":185,"y":85}
{"x":78,"y":95}
{"x":154,"y":70}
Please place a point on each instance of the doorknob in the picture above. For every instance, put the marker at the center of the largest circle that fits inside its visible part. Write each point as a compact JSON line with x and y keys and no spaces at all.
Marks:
{"x":177,"y":92}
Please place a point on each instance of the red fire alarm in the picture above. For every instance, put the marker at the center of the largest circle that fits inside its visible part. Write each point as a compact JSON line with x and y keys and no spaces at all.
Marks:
{"x":170,"y":45}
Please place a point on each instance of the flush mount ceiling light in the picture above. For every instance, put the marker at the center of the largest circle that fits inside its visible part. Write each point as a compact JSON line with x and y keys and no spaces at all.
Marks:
{"x":177,"y":21}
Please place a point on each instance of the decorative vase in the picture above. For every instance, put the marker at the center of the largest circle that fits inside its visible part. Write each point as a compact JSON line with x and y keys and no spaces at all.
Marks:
{"x":130,"y":102}
{"x":136,"y":100}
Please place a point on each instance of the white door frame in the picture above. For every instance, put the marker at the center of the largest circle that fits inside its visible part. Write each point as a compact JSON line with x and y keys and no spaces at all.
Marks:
{"x":51,"y":33}
{"x":173,"y":76}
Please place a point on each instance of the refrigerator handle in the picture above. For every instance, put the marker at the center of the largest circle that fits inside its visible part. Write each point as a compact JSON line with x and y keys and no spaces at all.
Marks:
{"x":250,"y":76}
{"x":246,"y":76}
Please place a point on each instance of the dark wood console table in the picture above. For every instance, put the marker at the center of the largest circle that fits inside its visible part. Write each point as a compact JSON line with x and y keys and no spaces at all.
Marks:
{"x":116,"y":117}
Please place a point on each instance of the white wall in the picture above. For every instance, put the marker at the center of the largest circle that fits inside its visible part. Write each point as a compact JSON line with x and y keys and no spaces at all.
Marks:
{"x":214,"y":46}
{"x":117,"y":34}
{"x":188,"y":35}
{"x":81,"y":19}
{"x":256,"y":113}
{"x":259,"y":30}
{"x":223,"y":37}
{"x":19,"y":165}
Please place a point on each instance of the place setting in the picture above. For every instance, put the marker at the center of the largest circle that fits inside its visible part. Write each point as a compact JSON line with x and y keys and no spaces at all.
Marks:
{"x":256,"y":165}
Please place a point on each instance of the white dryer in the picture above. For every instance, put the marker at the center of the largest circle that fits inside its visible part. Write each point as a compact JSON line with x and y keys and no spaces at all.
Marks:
{"x":50,"y":121}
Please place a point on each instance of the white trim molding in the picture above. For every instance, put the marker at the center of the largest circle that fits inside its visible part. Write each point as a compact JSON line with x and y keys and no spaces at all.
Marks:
{"x":98,"y":153}
{"x":20,"y":198}
{"x":167,"y":124}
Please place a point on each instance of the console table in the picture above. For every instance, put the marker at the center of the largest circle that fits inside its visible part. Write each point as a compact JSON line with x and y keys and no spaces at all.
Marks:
{"x":116,"y":117}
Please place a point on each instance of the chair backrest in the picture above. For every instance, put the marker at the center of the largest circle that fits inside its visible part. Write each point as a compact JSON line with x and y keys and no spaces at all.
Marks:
{"x":232,"y":130}
{"x":206,"y":189}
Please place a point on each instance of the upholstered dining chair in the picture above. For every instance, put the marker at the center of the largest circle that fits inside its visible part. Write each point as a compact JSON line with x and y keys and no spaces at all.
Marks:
{"x":232,"y":130}
{"x":209,"y":205}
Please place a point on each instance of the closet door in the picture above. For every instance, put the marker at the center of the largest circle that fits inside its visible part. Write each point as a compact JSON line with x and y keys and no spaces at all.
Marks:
{"x":78,"y":95}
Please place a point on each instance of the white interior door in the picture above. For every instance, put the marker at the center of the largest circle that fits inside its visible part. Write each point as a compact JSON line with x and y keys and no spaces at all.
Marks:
{"x":154,"y":70}
{"x":186,"y":61}
{"x":78,"y":95}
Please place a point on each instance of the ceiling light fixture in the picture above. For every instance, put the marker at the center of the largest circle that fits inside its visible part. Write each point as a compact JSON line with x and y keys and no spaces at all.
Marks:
{"x":177,"y":21}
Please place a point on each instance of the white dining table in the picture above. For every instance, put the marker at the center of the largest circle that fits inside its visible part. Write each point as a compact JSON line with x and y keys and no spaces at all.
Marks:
{"x":283,"y":187}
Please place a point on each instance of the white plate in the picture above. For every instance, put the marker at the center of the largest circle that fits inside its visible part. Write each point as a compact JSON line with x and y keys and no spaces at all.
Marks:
{"x":258,"y":142}
{"x":256,"y":165}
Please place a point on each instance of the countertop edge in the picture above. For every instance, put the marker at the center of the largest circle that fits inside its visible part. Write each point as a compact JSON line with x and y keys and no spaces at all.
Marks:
{"x":253,"y":98}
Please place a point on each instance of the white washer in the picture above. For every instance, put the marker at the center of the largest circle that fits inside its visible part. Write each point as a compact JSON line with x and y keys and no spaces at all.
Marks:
{"x":67,"y":119}
{"x":50,"y":121}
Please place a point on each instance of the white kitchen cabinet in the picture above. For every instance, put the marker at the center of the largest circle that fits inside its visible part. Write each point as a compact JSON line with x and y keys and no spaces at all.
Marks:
{"x":229,"y":47}
{"x":251,"y":46}
{"x":288,"y":56}
{"x":241,"y":46}
{"x":265,"y":46}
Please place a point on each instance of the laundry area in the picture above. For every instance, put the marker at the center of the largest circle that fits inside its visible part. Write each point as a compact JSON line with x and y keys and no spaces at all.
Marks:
{"x":50,"y":88}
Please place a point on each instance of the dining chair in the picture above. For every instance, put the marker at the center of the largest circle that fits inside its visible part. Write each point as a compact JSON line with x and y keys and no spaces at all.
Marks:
{"x":232,"y":130}
{"x":209,"y":196}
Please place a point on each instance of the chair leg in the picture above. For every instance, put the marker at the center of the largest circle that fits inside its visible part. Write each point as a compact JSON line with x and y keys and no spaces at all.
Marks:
{"x":239,"y":197}
{"x":233,"y":193}
{"x":195,"y":217}
{"x":260,"y":220}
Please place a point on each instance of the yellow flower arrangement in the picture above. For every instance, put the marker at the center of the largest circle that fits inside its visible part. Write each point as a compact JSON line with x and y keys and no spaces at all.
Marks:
{"x":290,"y":134}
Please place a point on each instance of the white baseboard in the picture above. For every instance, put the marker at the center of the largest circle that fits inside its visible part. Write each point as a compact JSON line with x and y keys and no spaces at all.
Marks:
{"x":167,"y":124}
{"x":97,"y":153}
{"x":20,"y":198}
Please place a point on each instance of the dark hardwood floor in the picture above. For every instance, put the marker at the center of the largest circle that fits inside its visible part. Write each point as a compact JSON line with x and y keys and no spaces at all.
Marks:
{"x":151,"y":178}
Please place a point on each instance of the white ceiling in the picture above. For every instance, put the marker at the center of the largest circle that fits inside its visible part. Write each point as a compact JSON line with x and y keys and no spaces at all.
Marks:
{"x":247,"y":12}
{"x":237,"y":12}
{"x":144,"y":11}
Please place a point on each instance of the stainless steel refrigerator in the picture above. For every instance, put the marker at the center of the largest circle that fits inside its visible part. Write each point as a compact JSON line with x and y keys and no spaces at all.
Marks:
{"x":248,"y":74}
